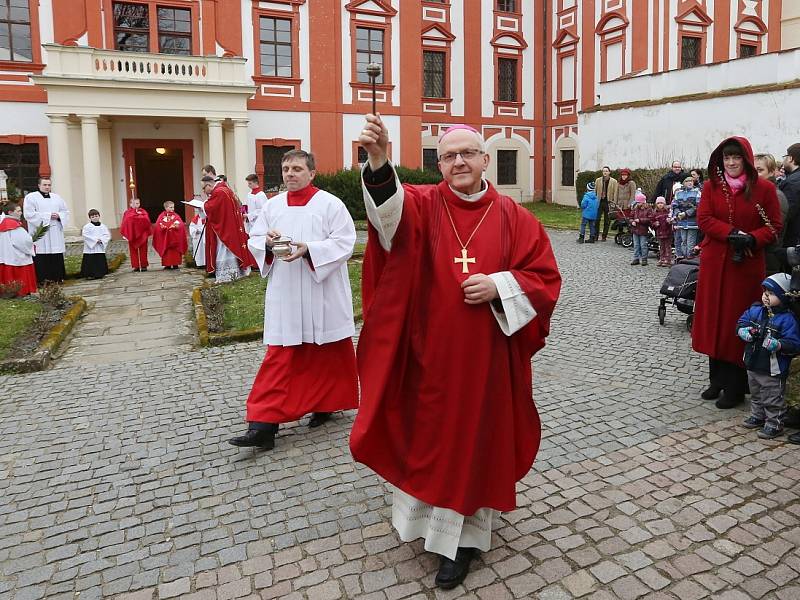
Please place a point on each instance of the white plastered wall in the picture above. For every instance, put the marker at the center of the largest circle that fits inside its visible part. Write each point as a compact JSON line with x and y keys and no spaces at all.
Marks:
{"x":563,"y":194}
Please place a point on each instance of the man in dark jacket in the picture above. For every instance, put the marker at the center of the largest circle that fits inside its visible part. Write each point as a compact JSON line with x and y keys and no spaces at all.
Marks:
{"x":790,"y":186}
{"x":664,"y":187}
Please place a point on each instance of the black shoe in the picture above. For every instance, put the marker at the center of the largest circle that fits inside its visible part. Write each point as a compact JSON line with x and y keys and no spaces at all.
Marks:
{"x":634,"y":262}
{"x":712,"y":392}
{"x":792,"y":419}
{"x":794,"y":438}
{"x":644,"y":262}
{"x":580,"y":240}
{"x":256,"y":438}
{"x":318,"y":418}
{"x":729,"y":401}
{"x":453,"y":572}
{"x":591,"y":241}
{"x":143,"y":270}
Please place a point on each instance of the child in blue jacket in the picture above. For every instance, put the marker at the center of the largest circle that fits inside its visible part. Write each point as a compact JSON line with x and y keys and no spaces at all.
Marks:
{"x":772,"y":335}
{"x":590,"y":205}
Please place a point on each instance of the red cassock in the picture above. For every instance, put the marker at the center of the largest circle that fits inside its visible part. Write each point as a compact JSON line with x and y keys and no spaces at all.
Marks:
{"x":136,"y":228}
{"x":25,"y":274}
{"x":725,"y":288}
{"x":446,"y":411}
{"x":169,"y":239}
{"x":224,"y":220}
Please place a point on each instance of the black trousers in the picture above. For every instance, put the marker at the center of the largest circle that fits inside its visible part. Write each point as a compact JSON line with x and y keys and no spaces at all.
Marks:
{"x":602,"y":215}
{"x":730,"y":378}
{"x":49,"y":267}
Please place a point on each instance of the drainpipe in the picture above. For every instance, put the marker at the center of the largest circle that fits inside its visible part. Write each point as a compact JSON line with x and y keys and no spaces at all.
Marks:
{"x":545,"y":94}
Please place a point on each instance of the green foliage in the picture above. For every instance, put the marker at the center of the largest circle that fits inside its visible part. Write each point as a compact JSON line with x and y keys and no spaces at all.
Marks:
{"x":17,"y":315}
{"x":647,"y":179}
{"x":346,"y":184}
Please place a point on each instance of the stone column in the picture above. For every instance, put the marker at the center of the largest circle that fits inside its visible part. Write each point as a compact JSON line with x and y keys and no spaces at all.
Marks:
{"x":92,"y":184}
{"x":216,"y":152}
{"x":60,"y":168}
{"x":243,"y":166}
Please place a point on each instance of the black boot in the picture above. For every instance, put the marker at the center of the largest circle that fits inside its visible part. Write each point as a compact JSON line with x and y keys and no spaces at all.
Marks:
{"x":257,"y":438}
{"x":711,"y":393}
{"x":453,"y":572}
{"x":794,"y":438}
{"x":318,"y":418}
{"x":729,"y":400}
{"x":580,"y":240}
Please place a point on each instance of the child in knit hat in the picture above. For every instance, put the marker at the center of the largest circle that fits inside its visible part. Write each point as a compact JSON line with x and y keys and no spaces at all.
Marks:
{"x":641,"y":219}
{"x":590,"y":205}
{"x":772,"y":338}
{"x":663,"y":227}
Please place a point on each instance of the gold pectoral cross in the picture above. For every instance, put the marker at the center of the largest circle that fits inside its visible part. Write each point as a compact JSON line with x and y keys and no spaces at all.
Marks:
{"x":464,"y":260}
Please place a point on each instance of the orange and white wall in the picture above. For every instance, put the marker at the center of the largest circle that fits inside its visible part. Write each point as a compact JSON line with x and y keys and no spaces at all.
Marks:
{"x":82,"y":110}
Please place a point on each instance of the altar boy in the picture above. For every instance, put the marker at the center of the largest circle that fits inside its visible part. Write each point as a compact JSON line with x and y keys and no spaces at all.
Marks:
{"x":96,"y":237}
{"x":16,"y":251}
{"x":169,"y":237}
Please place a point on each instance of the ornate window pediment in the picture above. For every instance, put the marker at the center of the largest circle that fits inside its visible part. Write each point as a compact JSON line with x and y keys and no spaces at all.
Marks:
{"x":371,"y":7}
{"x":565,"y":38}
{"x":509,"y":40}
{"x":694,"y":16}
{"x":611,"y":23}
{"x":436,"y":32}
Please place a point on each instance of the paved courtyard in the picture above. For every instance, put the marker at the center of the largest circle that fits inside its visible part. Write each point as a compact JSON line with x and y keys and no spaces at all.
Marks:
{"x":116,"y":479}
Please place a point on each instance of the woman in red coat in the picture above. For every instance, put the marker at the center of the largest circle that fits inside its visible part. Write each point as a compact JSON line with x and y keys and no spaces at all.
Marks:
{"x":739,"y":215}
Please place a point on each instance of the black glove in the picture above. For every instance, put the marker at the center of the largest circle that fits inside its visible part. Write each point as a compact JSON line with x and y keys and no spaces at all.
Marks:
{"x":740,"y":242}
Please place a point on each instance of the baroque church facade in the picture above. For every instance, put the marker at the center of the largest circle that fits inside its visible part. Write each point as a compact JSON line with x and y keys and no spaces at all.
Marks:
{"x":103,"y":95}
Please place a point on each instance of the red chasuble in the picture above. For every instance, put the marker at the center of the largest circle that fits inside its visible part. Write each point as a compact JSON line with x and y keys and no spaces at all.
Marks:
{"x":224,"y":221}
{"x":136,"y":228}
{"x":446,"y":411}
{"x":169,"y":239}
{"x":25,"y":274}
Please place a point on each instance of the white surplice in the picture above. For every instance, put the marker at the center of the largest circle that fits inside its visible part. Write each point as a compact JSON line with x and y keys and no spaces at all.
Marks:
{"x":307,"y":300}
{"x":16,"y":247}
{"x":95,"y":238}
{"x":255,"y":202}
{"x":443,"y":529}
{"x":197,"y":235}
{"x":37,"y":210}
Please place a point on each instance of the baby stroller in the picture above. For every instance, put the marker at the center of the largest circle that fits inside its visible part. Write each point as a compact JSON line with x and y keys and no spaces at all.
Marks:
{"x":679,"y":288}
{"x":621,"y":223}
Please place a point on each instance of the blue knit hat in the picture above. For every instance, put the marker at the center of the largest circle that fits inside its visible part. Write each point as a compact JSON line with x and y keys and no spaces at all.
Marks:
{"x":778,"y":284}
{"x":590,"y":186}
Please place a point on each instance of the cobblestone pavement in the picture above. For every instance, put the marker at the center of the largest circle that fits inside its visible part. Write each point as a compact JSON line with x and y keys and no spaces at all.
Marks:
{"x":117,"y":481}
{"x":134,"y":315}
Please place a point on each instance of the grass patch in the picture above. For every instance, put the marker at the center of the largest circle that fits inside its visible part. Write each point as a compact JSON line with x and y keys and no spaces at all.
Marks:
{"x":17,"y":316}
{"x":72,"y":264}
{"x":243,"y":300}
{"x":555,"y":215}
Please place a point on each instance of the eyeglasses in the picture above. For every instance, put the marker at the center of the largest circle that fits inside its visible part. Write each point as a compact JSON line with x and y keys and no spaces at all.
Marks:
{"x":466,"y":155}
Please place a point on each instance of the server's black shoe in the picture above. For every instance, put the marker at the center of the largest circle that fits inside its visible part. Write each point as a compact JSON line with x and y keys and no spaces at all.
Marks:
{"x":712,"y":392}
{"x":318,"y":418}
{"x":255,"y":438}
{"x":453,"y":572}
{"x":729,"y":401}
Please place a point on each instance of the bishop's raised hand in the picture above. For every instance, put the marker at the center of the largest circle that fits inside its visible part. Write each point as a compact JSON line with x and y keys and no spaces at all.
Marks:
{"x":374,"y":138}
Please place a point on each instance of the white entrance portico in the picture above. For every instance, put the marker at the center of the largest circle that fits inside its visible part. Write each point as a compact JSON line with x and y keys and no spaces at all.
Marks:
{"x":97,"y":99}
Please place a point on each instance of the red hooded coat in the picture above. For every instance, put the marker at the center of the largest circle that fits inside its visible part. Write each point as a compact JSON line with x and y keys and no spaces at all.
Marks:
{"x":725,"y":288}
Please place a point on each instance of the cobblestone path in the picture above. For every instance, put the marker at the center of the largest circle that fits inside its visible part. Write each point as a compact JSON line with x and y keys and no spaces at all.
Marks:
{"x":134,"y":315}
{"x":118,"y":481}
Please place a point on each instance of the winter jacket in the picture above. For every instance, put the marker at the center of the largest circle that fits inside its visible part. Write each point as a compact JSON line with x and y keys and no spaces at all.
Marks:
{"x":626,"y":193}
{"x":790,"y":186}
{"x":662,"y":224}
{"x":644,"y":214}
{"x":782,"y":327}
{"x":589,"y":206}
{"x":664,"y":187}
{"x":685,"y":201}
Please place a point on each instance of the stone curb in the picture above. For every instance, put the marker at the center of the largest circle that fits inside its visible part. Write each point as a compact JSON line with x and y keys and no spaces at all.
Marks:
{"x":43,"y":354}
{"x":200,"y":317}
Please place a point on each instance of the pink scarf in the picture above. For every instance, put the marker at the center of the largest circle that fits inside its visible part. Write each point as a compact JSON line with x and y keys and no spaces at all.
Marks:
{"x":736,"y":183}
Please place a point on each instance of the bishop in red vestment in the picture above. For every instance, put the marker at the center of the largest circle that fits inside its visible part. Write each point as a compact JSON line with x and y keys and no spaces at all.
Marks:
{"x":226,"y":238}
{"x":459,"y":285}
{"x":136,"y":228}
{"x":169,"y":237}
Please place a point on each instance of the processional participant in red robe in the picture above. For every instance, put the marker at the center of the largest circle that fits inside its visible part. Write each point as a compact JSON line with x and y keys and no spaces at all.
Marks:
{"x":227,"y":256}
{"x":136,"y":229}
{"x":459,"y":285}
{"x":16,"y":251}
{"x":169,"y":237}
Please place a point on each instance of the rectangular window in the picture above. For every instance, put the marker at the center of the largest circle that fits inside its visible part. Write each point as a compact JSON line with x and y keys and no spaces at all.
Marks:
{"x":276,"y":47}
{"x":131,"y":27}
{"x":434,"y":76}
{"x":21,"y":164}
{"x":506,"y":167}
{"x":690,"y":51}
{"x":174,"y":30}
{"x":362,"y":157}
{"x":507,"y":79}
{"x":507,"y":5}
{"x":568,"y":168}
{"x":15,"y":31}
{"x":369,"y":49}
{"x":747,"y":50}
{"x":430,"y":160}
{"x":273,"y":178}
